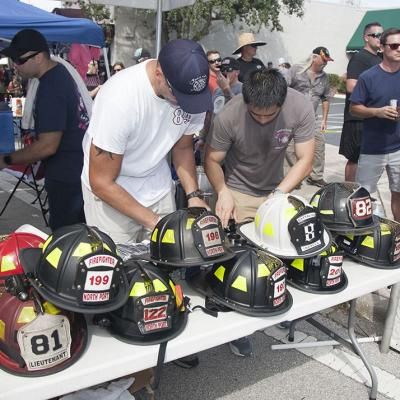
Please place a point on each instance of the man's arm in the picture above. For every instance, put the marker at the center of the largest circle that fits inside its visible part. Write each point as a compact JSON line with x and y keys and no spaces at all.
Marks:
{"x":325,"y":112}
{"x":302,"y":168}
{"x":104,"y":168}
{"x":183,"y":159}
{"x":350,"y":83}
{"x":45,"y":146}
{"x":225,"y":207}
{"x":361,"y":111}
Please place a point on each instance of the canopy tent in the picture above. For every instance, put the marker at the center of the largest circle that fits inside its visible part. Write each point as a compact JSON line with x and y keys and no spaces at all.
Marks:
{"x":387,"y":18}
{"x":15,"y":16}
{"x":158,"y":5}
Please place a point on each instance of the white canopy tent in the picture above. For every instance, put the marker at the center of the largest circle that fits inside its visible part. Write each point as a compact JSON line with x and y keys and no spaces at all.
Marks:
{"x":158,"y":5}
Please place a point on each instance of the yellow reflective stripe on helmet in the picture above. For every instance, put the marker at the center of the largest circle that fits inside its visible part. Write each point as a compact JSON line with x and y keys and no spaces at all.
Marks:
{"x":50,"y":308}
{"x":240,"y":283}
{"x":46,"y":243}
{"x":326,"y":212}
{"x":26,"y":315}
{"x":159,"y":286}
{"x":154,"y":235}
{"x":257,"y":220}
{"x":189,"y":223}
{"x":350,"y":236}
{"x":368,"y":242}
{"x":268,"y":229}
{"x":138,"y":289}
{"x":169,"y":237}
{"x":54,"y":257}
{"x":262,"y":271}
{"x":82,"y":250}
{"x":172,"y":285}
{"x":315,"y":201}
{"x":298,"y":263}
{"x":107,"y":247}
{"x":290,"y":212}
{"x":385,"y":229}
{"x":324,"y":253}
{"x":2,"y":330}
{"x":220,"y":273}
{"x":7,"y":264}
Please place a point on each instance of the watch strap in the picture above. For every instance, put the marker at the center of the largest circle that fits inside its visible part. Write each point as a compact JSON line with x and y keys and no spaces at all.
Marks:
{"x":196,"y":193}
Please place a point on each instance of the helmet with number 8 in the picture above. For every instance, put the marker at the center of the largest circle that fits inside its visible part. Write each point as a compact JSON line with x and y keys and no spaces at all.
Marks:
{"x":321,"y":274}
{"x":345,"y":207}
{"x":188,"y":237}
{"x":78,"y":270}
{"x":287,"y":226}
{"x":253,"y":283}
{"x":37,"y":338}
{"x":378,"y":249}
{"x":155,"y":311}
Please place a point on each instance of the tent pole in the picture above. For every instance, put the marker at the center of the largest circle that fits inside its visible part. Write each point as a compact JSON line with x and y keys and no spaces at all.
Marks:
{"x":105,"y":55}
{"x":158,"y":26}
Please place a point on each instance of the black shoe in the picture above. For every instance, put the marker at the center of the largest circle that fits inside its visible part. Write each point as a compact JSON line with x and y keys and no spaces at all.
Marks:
{"x":316,"y":182}
{"x":187,"y":362}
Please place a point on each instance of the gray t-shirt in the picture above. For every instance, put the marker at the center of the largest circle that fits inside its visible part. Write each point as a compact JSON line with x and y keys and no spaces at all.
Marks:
{"x":255,"y":153}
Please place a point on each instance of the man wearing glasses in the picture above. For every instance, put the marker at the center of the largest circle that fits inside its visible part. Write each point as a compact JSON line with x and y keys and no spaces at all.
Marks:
{"x":366,"y":58}
{"x":60,"y":123}
{"x":139,"y":115}
{"x":375,"y":98}
{"x":214,"y":62}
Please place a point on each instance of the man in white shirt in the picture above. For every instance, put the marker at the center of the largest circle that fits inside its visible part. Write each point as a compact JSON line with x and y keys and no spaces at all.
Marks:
{"x":141,"y":114}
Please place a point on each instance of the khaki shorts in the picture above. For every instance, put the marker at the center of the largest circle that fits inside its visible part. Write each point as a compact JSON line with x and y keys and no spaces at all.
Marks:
{"x":246,"y":205}
{"x":121,"y":228}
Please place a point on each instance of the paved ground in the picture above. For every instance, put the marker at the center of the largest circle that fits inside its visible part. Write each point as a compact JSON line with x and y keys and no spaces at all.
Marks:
{"x":321,"y":373}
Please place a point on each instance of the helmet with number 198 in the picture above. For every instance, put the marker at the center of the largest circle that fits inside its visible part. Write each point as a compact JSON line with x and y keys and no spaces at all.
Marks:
{"x":345,"y":207}
{"x":288,"y":227}
{"x":36,"y":337}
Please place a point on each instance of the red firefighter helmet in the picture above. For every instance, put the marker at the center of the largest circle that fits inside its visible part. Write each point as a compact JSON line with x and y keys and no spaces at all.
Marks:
{"x":37,"y":338}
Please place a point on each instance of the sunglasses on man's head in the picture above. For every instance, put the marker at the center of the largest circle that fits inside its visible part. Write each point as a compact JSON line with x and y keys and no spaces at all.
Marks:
{"x":393,"y":46}
{"x":23,"y":60}
{"x":376,"y":35}
{"x":214,"y":61}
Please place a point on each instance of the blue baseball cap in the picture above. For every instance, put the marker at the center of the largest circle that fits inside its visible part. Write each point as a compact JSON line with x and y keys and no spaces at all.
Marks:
{"x":185,"y":66}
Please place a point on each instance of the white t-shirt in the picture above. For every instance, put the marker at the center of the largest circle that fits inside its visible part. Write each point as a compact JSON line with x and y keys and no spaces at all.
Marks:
{"x":128,"y":118}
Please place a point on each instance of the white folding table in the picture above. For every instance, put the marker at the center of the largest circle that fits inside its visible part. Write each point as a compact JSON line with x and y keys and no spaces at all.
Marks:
{"x":107,"y":358}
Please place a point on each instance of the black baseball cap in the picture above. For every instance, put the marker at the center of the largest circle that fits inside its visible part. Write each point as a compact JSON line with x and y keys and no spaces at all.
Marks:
{"x":24,"y":41}
{"x":229,"y":64}
{"x":323,"y":52}
{"x":141,"y":53}
{"x":185,"y":66}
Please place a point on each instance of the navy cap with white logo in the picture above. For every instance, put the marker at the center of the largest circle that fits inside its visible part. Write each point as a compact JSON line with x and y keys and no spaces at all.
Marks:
{"x":186,"y":69}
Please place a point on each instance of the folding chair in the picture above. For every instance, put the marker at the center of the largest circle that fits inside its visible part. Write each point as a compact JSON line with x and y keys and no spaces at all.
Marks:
{"x":30,"y":175}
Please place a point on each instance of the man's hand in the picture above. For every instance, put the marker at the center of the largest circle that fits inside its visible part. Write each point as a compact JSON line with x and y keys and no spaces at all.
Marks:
{"x":225,"y":207}
{"x":387,"y":112}
{"x":324,"y":125}
{"x":197,"y":202}
{"x":223,"y":82}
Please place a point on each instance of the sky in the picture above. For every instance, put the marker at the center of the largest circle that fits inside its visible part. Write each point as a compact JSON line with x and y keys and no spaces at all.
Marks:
{"x":48,"y":5}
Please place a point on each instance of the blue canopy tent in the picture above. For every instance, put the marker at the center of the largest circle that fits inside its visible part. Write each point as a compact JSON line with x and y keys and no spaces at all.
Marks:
{"x":15,"y":16}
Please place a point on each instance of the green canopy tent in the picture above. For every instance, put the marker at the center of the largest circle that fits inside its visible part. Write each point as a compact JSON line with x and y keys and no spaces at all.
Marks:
{"x":387,"y":18}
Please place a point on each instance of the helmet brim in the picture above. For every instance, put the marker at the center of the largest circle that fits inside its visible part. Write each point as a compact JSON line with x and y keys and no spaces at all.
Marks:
{"x":248,"y":231}
{"x":199,"y":283}
{"x":371,"y":263}
{"x":319,"y":290}
{"x":343,"y":230}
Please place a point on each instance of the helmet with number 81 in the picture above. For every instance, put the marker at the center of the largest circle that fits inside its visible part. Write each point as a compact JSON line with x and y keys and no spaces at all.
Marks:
{"x":287,"y":226}
{"x":37,"y":338}
{"x":345,"y":207}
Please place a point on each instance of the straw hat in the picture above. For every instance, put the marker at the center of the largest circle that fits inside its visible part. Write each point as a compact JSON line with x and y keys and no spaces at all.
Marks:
{"x":245,"y":39}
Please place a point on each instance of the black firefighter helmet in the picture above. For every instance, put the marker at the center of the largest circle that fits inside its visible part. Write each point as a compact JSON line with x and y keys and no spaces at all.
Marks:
{"x":36,"y":337}
{"x":379,"y":249}
{"x":321,"y":274}
{"x":155,"y":311}
{"x":78,"y":270}
{"x":345,"y":207}
{"x":189,"y":237}
{"x":252,"y":283}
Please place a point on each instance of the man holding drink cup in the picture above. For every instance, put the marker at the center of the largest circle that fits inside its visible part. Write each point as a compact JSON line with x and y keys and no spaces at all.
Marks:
{"x":375,"y":99}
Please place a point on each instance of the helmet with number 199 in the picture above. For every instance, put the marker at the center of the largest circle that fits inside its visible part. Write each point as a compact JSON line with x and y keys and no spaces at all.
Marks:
{"x":287,"y":227}
{"x":345,"y":207}
{"x":36,"y":337}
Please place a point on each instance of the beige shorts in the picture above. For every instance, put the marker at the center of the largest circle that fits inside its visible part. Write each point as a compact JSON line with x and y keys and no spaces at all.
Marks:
{"x":246,"y":205}
{"x":121,"y":228}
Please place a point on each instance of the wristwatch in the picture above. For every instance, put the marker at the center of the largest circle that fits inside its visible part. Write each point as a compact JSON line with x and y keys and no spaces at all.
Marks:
{"x":7,"y":159}
{"x":196,"y":193}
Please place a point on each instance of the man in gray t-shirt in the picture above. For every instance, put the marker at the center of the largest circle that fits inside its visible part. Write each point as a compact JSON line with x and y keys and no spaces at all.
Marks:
{"x":250,"y":136}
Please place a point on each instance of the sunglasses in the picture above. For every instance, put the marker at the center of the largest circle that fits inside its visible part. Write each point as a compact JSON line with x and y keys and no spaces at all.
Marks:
{"x":375,"y":35}
{"x":214,"y":61}
{"x":117,"y":69}
{"x":393,"y":46}
{"x":21,"y":61}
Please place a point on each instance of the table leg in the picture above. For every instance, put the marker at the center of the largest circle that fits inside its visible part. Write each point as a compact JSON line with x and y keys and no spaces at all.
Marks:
{"x":390,"y":318}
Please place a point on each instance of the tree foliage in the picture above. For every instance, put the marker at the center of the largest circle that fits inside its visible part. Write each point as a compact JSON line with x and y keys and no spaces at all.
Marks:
{"x":193,"y":22}
{"x":97,"y":12}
